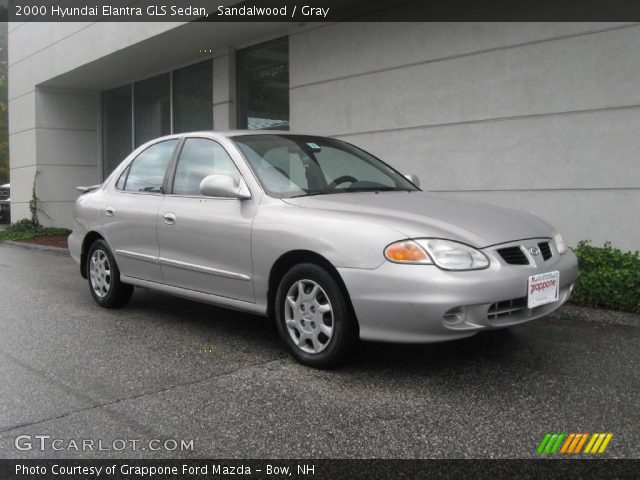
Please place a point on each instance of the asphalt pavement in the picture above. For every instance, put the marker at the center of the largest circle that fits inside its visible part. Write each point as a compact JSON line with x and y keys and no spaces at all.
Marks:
{"x":164,"y":371}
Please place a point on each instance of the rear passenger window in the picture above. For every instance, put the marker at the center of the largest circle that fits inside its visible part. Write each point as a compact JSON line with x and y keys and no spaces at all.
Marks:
{"x":199,"y":158}
{"x":146,"y":173}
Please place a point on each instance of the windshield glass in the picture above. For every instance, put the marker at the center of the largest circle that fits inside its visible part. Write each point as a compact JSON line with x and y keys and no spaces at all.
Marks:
{"x":300,"y":165}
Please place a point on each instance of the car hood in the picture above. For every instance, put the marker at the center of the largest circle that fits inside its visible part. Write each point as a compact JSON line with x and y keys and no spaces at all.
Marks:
{"x":421,"y":214}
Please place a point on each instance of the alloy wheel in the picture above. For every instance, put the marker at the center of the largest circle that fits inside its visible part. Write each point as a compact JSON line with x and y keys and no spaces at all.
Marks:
{"x":100,"y":273}
{"x":309,"y":316}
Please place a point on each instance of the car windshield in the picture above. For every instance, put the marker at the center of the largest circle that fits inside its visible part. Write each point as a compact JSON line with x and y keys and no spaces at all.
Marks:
{"x":299,"y":165}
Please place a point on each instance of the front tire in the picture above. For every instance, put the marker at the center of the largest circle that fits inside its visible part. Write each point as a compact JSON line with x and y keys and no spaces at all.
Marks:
{"x":313,"y":318}
{"x":103,"y":276}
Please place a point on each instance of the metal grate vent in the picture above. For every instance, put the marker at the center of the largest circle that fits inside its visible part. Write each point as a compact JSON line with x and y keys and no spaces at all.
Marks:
{"x":545,"y":249}
{"x":513,"y":256}
{"x":507,"y":308}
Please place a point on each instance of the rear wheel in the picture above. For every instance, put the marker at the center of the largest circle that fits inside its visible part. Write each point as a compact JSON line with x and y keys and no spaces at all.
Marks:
{"x":103,"y":276}
{"x":313,"y":318}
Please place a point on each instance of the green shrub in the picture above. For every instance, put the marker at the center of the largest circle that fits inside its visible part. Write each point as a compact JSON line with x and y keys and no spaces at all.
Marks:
{"x":608,"y":278}
{"x":25,"y":229}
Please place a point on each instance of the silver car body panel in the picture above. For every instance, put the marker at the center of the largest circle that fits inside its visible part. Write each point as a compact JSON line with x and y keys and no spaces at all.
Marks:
{"x":222,"y":251}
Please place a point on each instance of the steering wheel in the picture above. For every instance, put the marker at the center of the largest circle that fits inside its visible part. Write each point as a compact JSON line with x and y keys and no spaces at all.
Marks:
{"x":342,"y":179}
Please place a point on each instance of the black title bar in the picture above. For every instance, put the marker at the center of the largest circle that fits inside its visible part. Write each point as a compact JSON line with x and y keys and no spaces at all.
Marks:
{"x":321,"y":10}
{"x":310,"y":469}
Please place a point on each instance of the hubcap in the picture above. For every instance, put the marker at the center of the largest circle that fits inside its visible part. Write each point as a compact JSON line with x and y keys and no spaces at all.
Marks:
{"x":100,"y":273}
{"x":308,"y":316}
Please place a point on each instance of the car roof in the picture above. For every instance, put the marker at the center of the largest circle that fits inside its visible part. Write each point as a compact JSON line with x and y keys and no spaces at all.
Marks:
{"x":235,"y":133}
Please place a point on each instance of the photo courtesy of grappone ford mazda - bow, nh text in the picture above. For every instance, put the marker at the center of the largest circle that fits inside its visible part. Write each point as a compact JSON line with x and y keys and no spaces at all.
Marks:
{"x":328,"y":241}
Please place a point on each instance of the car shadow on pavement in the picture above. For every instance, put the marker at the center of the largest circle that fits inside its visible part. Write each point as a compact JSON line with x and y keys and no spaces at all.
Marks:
{"x":497,"y":348}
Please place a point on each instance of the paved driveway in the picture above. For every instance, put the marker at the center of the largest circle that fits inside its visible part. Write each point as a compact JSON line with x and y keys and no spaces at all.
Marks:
{"x":168,"y":369}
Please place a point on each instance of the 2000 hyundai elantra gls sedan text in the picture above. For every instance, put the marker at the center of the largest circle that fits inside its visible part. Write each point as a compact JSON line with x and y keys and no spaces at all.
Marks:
{"x":330,"y":242}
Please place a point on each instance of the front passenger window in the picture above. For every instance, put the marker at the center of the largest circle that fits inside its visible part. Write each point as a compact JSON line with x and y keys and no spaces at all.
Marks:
{"x":146,"y":173}
{"x":201,"y":157}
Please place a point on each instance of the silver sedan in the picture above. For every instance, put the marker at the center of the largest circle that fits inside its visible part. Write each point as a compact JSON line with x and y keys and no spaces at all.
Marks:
{"x":320,"y":236}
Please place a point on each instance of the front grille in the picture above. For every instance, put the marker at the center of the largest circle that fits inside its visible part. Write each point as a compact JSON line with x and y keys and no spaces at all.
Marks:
{"x":513,"y":256}
{"x":507,"y":308}
{"x":545,"y":249}
{"x":4,"y":194}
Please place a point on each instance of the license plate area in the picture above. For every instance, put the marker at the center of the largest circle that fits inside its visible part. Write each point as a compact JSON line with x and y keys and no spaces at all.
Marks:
{"x":543,"y":288}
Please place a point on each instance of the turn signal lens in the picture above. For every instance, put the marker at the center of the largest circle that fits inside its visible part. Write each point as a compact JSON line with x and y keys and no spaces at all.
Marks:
{"x":406,"y":252}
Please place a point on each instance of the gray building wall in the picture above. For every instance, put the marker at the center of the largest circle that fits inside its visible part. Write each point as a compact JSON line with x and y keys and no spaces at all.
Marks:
{"x":541,"y":117}
{"x":53,"y":128}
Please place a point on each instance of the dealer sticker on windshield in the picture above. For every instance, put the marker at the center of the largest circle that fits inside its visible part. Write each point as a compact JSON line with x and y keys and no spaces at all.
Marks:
{"x":543,"y":289}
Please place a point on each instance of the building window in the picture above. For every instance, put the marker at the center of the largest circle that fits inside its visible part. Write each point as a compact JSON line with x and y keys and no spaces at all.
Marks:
{"x":116,"y":127}
{"x":126,"y":126}
{"x":193,"y":98}
{"x":152,"y":108}
{"x":263,"y":86}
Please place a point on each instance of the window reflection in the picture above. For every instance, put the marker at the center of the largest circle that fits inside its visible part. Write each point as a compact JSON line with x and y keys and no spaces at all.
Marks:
{"x":152,"y":110}
{"x":193,"y":98}
{"x":263,"y":86}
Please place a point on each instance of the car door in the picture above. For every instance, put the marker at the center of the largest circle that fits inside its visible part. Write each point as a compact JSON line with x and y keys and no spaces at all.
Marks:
{"x":129,"y":218}
{"x":205,"y":242}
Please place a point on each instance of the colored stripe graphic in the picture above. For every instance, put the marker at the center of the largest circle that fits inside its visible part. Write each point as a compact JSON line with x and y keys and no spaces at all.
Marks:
{"x":593,"y":439}
{"x":556,"y":446}
{"x":581,"y":443}
{"x":598,"y":442}
{"x":605,"y":443}
{"x":573,"y":443}
{"x":567,"y":443}
{"x":543,"y":443}
{"x":551,"y":443}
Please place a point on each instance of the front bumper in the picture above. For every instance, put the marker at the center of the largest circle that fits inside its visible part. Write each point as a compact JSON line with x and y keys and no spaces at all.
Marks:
{"x":422,"y":303}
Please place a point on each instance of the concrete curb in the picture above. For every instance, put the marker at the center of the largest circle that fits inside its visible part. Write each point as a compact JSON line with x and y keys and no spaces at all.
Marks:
{"x":598,"y":315}
{"x":35,"y":246}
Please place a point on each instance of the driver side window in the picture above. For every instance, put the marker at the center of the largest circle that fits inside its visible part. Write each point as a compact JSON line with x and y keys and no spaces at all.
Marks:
{"x":199,"y":158}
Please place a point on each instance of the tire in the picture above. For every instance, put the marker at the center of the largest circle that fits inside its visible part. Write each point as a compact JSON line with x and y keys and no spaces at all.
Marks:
{"x":103,"y":276}
{"x":313,"y":318}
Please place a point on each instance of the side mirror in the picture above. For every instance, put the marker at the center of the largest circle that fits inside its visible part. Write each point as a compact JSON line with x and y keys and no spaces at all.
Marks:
{"x":413,"y":179}
{"x":223,"y":186}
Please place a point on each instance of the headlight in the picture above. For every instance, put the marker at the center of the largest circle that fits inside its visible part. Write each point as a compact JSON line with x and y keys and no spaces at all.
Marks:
{"x":406,"y":251}
{"x":560,"y":245}
{"x":446,"y":254}
{"x":450,"y":255}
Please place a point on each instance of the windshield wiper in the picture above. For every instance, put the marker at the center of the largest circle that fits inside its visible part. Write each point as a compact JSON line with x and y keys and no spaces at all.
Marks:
{"x":352,"y":190}
{"x":375,"y":189}
{"x":311,"y":194}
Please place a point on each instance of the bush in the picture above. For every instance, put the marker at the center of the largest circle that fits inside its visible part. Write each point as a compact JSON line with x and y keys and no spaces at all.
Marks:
{"x":25,"y":229}
{"x":608,"y":278}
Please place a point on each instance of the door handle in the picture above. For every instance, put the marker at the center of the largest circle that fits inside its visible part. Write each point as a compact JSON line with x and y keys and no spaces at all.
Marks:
{"x":109,"y":211}
{"x":169,"y":218}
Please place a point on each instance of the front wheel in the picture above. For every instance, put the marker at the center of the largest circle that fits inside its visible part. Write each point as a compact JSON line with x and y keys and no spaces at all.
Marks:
{"x":104,"y":277}
{"x":313,"y":318}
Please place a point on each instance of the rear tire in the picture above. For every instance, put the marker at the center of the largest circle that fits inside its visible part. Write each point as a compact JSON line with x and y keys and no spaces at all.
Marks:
{"x":103,"y":276}
{"x":313,"y":318}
